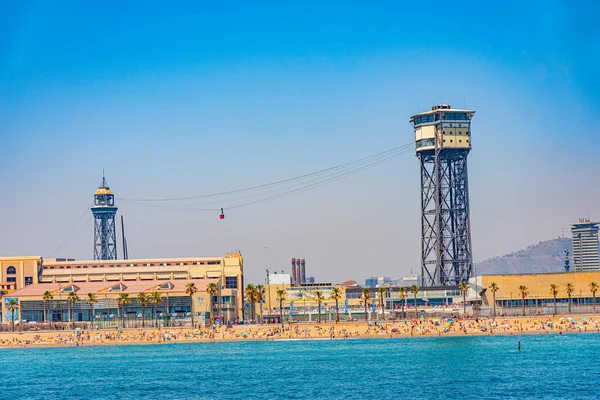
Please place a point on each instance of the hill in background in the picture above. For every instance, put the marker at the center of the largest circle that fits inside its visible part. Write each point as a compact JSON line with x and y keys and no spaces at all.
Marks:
{"x":547,"y":256}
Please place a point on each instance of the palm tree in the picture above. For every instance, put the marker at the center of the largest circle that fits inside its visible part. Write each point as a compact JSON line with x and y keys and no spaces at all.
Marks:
{"x":142,"y":300}
{"x":281,"y":297}
{"x":464,"y":288}
{"x":251,"y":297}
{"x":336,"y":294}
{"x":366,"y":296}
{"x":594,"y":289}
{"x":382,"y":291}
{"x":319,"y":297}
{"x":260,"y":295}
{"x":71,"y":299}
{"x":46,"y":297}
{"x":494,"y":288}
{"x":524,"y":292}
{"x":212,"y":291}
{"x":91,"y":300}
{"x":554,"y":292}
{"x":403,"y":295}
{"x":569,"y":289}
{"x":415,"y":289}
{"x":156,"y":299}
{"x":122,"y":301}
{"x":191,"y":290}
{"x":13,"y":306}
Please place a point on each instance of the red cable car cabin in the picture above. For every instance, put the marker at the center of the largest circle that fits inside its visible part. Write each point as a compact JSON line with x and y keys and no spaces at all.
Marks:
{"x":222,"y":216}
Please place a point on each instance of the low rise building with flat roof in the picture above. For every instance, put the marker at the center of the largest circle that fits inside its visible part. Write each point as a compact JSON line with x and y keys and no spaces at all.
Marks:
{"x":226,"y":272}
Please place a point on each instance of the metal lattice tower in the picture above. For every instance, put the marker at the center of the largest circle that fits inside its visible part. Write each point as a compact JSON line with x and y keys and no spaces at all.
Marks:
{"x":443,"y":142}
{"x":105,"y":234}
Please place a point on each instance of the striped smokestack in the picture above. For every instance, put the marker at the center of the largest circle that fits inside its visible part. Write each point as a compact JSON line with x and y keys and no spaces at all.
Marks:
{"x":303,"y":270}
{"x":294,"y":272}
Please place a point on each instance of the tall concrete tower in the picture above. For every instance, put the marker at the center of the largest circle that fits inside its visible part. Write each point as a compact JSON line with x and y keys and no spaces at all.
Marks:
{"x":443,"y":142}
{"x":105,"y":234}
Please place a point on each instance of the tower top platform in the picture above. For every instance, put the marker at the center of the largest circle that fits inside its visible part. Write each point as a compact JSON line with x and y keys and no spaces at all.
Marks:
{"x":442,"y":108}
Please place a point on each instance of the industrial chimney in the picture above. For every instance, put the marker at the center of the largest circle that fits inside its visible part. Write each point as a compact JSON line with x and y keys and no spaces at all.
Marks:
{"x":294,"y":272}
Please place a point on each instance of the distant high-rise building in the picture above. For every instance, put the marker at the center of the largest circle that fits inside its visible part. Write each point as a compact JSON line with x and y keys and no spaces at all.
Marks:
{"x":585,"y":245}
{"x":383,"y":280}
{"x":371,"y":282}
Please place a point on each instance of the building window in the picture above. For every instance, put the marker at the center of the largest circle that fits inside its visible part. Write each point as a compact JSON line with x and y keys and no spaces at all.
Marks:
{"x":231,"y":282}
{"x":11,"y":279}
{"x":11,"y":270}
{"x":28,"y":280}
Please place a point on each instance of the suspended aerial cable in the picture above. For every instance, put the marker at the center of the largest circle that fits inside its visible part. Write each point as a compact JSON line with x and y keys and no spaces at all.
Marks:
{"x":305,"y":186}
{"x":270,"y":190}
{"x":340,"y":166}
{"x":314,"y":185}
{"x":72,"y":236}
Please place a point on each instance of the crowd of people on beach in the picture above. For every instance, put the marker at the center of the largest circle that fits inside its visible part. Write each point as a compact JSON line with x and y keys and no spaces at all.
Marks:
{"x":342,"y":330}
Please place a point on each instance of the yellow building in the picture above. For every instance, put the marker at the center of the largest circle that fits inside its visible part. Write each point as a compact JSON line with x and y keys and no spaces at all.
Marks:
{"x":49,"y":302}
{"x":539,"y":297}
{"x":18,"y":272}
{"x":226,"y":272}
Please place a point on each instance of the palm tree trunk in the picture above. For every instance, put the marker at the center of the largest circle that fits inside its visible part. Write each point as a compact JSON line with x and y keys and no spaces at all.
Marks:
{"x":191,"y":310}
{"x":366,"y":315}
{"x":523,"y":299}
{"x":143,"y":316}
{"x":13,"y":320}
{"x":569,"y":303}
{"x":416,"y":311}
{"x":554,"y":304}
{"x":319,"y":318}
{"x":464,"y":303}
{"x":337,"y":311}
{"x":594,"y":305}
{"x":494,"y":299}
{"x":281,"y":311}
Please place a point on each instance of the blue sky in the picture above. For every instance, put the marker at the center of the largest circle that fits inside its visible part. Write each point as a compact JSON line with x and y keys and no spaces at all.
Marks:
{"x":198,"y":99}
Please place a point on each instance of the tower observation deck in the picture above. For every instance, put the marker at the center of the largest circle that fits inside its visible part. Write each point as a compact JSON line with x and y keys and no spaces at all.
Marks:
{"x":442,"y":144}
{"x":105,"y":234}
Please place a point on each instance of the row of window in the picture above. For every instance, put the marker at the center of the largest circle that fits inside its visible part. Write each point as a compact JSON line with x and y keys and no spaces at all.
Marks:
{"x":454,"y":116}
{"x":132,"y":265}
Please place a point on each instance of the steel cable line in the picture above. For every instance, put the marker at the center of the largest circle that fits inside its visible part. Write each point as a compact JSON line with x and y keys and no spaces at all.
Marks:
{"x":298,"y":190}
{"x":286,"y":187}
{"x":67,"y":236}
{"x":72,"y":236}
{"x":305,"y":186}
{"x":314,"y":185}
{"x":383,"y":153}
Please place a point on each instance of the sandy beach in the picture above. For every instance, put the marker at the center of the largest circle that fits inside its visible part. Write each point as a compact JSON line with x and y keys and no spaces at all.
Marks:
{"x":342,"y":330}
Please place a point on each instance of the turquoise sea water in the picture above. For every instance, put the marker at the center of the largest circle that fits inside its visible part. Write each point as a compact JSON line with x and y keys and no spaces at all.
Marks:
{"x":547,"y":367}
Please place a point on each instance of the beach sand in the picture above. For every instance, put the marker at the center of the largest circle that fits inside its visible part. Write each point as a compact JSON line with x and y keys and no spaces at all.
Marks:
{"x":308,"y":331}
